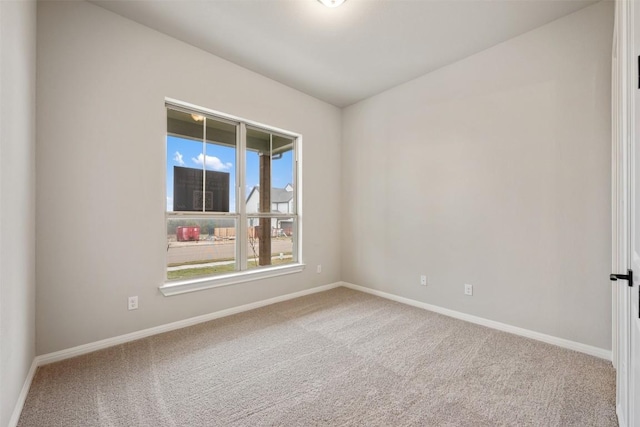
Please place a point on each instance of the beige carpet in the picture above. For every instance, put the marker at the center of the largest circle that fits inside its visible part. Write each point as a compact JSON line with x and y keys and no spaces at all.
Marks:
{"x":340,"y":357}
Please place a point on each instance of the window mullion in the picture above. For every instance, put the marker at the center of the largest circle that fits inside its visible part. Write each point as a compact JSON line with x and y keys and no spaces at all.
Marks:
{"x":241,"y":243}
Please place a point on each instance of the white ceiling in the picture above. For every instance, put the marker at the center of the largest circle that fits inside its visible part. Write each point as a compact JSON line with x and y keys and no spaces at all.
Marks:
{"x":349,"y":53}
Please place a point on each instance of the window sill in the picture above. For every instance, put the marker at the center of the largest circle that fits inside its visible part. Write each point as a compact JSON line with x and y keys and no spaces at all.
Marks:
{"x":184,"y":286}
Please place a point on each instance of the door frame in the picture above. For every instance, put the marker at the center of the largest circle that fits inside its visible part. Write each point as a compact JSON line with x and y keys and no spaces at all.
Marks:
{"x":623,"y":85}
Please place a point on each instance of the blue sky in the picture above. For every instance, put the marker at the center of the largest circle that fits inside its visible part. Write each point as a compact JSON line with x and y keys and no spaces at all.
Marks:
{"x":188,"y":153}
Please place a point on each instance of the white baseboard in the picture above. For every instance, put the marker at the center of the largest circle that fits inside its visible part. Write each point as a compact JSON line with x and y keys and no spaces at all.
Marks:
{"x":110,"y":342}
{"x":17,"y":410}
{"x":549,"y":339}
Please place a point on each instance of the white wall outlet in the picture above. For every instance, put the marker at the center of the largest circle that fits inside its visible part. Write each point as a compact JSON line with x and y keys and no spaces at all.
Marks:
{"x":319,"y":269}
{"x":423,"y":280}
{"x":133,"y":303}
{"x":468,"y":289}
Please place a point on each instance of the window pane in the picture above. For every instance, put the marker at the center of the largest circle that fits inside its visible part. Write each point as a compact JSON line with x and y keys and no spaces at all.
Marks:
{"x":199,"y":247}
{"x":277,"y":234}
{"x":200,"y":177}
{"x":270,"y":165}
{"x":185,"y":134}
{"x":282,"y":184}
{"x":258,"y":170}
{"x":219,"y":160}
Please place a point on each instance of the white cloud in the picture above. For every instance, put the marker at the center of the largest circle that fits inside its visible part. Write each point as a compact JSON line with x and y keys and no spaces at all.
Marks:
{"x":212,"y":162}
{"x":177,"y":157}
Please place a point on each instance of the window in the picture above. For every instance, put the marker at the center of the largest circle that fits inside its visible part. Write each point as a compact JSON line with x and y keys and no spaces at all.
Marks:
{"x":232,"y":200}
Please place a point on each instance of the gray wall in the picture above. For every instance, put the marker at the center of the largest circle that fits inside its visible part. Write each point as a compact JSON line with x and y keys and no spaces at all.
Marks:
{"x":493,"y":171}
{"x":17,"y":198}
{"x":101,"y":81}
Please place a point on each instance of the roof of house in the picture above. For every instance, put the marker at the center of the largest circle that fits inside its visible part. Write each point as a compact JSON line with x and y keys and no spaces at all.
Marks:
{"x":278,"y":195}
{"x":281,"y":195}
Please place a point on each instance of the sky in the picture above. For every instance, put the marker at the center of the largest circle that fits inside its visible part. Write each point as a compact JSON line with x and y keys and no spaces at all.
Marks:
{"x":189,"y":153}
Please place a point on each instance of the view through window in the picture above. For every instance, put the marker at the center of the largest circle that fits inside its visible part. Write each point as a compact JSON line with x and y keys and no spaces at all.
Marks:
{"x":231,"y":196}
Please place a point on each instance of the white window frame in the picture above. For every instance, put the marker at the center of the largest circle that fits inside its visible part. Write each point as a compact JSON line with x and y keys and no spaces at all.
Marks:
{"x":175,"y":287}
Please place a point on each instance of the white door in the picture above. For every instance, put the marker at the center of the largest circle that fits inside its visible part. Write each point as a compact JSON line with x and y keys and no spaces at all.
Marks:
{"x":626,"y":210}
{"x":633,"y":295}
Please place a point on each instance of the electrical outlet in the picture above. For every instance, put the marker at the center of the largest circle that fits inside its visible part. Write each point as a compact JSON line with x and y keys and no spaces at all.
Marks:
{"x":319,"y":269}
{"x":423,"y":280}
{"x":468,"y":289}
{"x":133,"y":303}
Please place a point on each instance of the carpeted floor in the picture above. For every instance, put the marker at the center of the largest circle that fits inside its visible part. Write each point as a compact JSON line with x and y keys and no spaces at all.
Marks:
{"x":339,"y":357}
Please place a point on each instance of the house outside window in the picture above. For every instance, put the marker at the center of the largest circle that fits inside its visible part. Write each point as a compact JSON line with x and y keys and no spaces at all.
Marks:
{"x":220,"y":225}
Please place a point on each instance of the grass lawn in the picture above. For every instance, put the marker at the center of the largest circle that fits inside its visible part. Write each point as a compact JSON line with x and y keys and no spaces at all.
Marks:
{"x":191,"y":273}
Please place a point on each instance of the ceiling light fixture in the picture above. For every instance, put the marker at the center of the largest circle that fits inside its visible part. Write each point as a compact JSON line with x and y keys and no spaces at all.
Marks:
{"x":197,"y":117}
{"x":331,"y":3}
